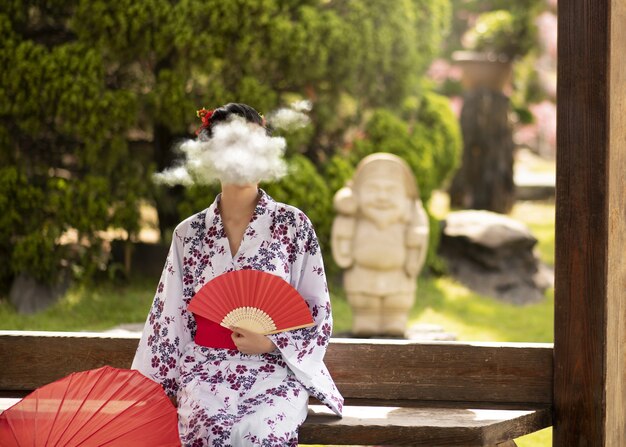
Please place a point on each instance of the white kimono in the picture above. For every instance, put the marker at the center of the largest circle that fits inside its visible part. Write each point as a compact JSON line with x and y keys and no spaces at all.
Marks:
{"x":226,"y":398}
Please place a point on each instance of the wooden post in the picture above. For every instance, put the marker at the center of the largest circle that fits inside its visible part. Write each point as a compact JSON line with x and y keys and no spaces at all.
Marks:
{"x":590,"y":290}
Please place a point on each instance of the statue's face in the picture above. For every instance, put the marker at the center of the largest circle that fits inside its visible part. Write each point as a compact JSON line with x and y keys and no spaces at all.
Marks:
{"x":383,"y":200}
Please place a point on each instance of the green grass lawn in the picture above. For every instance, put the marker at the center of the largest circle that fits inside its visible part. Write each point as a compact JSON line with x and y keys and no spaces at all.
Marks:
{"x":440,"y":301}
{"x":539,"y":216}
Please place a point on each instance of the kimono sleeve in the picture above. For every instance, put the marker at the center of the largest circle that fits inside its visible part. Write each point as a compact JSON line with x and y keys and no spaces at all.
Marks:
{"x":167,"y":329}
{"x":304,"y":349}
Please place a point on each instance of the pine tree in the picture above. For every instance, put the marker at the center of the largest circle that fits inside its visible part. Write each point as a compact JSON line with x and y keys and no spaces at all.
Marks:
{"x":96,"y":93}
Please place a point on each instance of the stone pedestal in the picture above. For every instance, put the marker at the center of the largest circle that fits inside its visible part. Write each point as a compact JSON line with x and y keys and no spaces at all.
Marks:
{"x":485,"y":178}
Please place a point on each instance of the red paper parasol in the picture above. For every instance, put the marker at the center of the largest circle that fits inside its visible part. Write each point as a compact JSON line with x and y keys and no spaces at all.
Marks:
{"x":105,"y":406}
{"x":253,"y":300}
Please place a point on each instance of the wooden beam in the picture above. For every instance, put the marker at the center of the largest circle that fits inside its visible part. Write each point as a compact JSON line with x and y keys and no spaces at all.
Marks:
{"x":615,"y":424}
{"x":474,"y":373}
{"x":427,"y":427}
{"x":590,"y":272}
{"x":415,"y":426}
{"x":469,"y":372}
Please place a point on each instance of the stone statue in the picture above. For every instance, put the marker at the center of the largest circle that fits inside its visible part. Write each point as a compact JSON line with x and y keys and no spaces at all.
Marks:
{"x":380,"y":238}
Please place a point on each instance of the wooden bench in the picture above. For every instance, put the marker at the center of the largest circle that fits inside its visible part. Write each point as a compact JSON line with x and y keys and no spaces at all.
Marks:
{"x":397,"y":392}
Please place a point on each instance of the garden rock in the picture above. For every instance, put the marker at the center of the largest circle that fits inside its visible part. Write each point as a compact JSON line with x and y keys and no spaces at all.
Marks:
{"x":29,"y":295}
{"x":493,"y":255}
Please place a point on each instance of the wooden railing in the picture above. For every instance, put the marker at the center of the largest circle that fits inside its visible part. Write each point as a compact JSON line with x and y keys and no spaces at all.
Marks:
{"x":397,"y":392}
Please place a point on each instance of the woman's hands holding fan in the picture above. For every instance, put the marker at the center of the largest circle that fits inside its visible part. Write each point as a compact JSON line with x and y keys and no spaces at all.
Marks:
{"x":249,"y":342}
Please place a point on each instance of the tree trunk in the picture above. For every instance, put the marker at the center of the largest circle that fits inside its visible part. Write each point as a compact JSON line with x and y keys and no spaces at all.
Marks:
{"x":485,"y":178}
{"x":166,"y":198}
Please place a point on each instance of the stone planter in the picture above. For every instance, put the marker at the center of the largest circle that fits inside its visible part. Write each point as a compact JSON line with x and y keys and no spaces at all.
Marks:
{"x":483,"y":70}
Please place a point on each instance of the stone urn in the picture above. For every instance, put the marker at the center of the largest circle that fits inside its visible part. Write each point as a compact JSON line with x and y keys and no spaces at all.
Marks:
{"x":483,"y":70}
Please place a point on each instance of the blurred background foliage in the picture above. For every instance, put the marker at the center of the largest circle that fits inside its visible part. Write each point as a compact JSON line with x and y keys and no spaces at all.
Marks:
{"x":94,"y":95}
{"x":499,"y":26}
{"x":523,"y":31}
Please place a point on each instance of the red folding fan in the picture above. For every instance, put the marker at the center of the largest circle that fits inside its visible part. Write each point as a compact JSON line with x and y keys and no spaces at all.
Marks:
{"x":105,"y":406}
{"x":253,"y":300}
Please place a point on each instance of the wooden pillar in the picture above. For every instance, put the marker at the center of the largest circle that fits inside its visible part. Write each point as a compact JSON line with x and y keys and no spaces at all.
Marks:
{"x":590,"y":289}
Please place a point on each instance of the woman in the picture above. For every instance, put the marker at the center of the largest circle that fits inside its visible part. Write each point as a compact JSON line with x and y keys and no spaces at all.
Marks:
{"x":242,"y":389}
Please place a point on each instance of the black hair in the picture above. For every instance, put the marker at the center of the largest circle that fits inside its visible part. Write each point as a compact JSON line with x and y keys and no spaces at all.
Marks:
{"x":225,"y":112}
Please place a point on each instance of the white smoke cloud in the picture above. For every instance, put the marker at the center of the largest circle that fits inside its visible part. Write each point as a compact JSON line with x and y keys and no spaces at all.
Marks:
{"x":292,"y":118}
{"x":237,"y":153}
{"x":177,"y":175}
{"x":302,"y":106}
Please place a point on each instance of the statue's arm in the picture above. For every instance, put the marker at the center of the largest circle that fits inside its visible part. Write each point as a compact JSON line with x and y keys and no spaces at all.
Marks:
{"x":416,"y":240}
{"x":342,"y":235}
{"x":342,"y":232}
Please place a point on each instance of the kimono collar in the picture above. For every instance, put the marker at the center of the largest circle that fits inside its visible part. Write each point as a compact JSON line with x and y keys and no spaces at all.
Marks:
{"x":265,"y":204}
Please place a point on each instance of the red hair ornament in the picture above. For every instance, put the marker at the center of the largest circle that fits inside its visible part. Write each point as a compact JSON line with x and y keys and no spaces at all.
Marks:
{"x":205,"y":116}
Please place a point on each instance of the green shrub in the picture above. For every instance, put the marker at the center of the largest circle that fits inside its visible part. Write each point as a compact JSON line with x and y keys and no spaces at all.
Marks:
{"x":66,"y":158}
{"x":501,"y":32}
{"x":438,"y":129}
{"x":426,"y":136}
{"x":337,"y":171}
{"x":39,"y":212}
{"x":22,"y":205}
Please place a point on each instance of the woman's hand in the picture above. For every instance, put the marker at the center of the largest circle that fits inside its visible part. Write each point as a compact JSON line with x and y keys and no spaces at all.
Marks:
{"x":249,"y":342}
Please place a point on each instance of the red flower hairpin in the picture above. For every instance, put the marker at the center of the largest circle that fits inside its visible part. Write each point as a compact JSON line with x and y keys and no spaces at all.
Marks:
{"x":205,"y":116}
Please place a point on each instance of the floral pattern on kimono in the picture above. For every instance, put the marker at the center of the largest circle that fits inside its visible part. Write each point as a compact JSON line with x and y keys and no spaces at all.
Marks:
{"x":226,"y":396}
